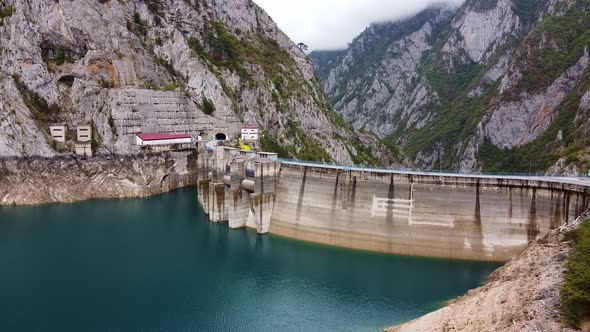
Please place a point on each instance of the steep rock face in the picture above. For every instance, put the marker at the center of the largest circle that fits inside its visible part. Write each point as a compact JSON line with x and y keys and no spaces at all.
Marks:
{"x":374,"y":84}
{"x":480,"y":30}
{"x":134,"y":66}
{"x":493,"y":85}
{"x":37,"y":180}
{"x":519,"y":122}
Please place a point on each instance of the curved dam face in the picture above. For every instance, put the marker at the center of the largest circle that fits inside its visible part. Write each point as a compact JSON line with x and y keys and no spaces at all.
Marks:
{"x":422,"y":215}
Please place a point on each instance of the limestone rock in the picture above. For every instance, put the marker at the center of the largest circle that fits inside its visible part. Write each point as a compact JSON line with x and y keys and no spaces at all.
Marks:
{"x":487,"y":71}
{"x":109,"y":62}
{"x":37,"y":180}
{"x":523,"y":295}
{"x":562,"y":168}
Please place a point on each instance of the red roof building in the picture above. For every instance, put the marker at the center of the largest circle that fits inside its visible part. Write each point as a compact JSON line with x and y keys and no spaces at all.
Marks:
{"x":162,"y":139}
{"x":249,"y":133}
{"x":161,"y":136}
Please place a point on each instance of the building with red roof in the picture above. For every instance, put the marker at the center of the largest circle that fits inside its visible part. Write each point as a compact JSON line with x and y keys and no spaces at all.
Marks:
{"x":158,"y":139}
{"x":249,"y":133}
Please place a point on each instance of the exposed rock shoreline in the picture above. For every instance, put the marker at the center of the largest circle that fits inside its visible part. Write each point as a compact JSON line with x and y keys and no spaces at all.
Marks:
{"x":68,"y":179}
{"x":523,"y":295}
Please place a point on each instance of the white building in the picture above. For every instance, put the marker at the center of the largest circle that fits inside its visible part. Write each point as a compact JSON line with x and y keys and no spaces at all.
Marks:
{"x":58,"y":132}
{"x":268,"y":155}
{"x":159,"y":139}
{"x":84,"y":133}
{"x":249,"y":133}
{"x":84,"y":149}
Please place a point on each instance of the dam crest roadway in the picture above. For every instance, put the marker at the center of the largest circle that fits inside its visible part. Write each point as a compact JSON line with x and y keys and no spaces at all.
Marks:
{"x":447,"y":215}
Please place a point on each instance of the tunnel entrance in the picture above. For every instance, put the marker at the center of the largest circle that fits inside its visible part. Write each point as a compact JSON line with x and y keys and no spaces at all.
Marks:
{"x":220,"y":136}
{"x":67,"y":80}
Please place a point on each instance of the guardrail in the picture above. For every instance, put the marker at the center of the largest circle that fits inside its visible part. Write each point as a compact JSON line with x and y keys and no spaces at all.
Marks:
{"x":429,"y":172}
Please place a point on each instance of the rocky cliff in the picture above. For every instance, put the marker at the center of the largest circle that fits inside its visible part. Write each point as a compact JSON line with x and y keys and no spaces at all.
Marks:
{"x":500,"y":85}
{"x":39,"y":180}
{"x":173,"y":66}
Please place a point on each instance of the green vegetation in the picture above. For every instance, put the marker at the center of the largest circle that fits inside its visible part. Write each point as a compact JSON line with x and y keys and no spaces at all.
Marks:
{"x":106,"y":84}
{"x":42,"y":111}
{"x":323,"y":59}
{"x":484,"y":5}
{"x":268,"y":143}
{"x":60,"y":55}
{"x":170,"y":87}
{"x":6,"y":11}
{"x":527,"y":10}
{"x":575,"y":291}
{"x":207,"y":105}
{"x":97,"y":139}
{"x":555,"y":44}
{"x":364,"y":156}
{"x":167,"y":65}
{"x":306,"y":149}
{"x":224,"y":50}
{"x":310,"y":150}
{"x":154,"y":6}
{"x":137,"y":25}
{"x":196,"y":46}
{"x":111,"y":123}
{"x":457,"y":115}
{"x":361,"y":155}
{"x":545,"y":150}
{"x":221,"y":49}
{"x":366,"y":58}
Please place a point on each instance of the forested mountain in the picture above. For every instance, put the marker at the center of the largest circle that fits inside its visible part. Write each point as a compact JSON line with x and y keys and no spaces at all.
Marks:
{"x":494,"y":85}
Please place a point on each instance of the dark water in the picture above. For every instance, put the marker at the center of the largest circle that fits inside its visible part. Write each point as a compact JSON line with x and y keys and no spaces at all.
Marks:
{"x":158,"y":265}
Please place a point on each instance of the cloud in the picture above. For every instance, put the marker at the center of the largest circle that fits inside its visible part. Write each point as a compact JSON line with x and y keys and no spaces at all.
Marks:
{"x":331,"y":24}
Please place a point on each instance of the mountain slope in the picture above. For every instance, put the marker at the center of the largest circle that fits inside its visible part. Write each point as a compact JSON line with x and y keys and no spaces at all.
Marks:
{"x":171,"y":66}
{"x":495,"y":85}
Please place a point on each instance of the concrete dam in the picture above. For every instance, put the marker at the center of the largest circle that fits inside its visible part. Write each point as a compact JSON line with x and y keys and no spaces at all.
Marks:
{"x":457,"y":216}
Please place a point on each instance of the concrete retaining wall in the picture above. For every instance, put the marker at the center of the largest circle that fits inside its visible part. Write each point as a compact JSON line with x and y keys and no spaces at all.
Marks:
{"x":424,"y":215}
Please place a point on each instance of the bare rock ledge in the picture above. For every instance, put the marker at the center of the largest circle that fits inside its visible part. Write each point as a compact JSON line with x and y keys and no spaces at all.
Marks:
{"x":523,"y":295}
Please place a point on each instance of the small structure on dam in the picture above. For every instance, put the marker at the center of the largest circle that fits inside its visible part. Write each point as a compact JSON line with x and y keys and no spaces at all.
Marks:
{"x":458,"y":216}
{"x":238,"y":187}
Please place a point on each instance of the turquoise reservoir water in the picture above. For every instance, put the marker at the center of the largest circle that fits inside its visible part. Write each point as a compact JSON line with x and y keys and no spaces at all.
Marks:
{"x":157,"y":264}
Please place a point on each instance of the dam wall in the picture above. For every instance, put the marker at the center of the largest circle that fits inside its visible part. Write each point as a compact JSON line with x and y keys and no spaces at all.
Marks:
{"x":238,"y":187}
{"x":409,"y":213}
{"x":459,"y":217}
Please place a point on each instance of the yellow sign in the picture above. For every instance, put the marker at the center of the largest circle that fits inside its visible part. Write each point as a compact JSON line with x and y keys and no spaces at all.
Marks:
{"x":243,"y":146}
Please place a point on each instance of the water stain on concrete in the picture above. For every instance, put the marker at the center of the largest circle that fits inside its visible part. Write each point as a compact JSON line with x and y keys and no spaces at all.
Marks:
{"x":301,"y":194}
{"x":532,"y":229}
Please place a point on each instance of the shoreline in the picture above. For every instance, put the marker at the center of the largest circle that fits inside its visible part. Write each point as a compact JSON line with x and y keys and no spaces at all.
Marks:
{"x":521,"y":295}
{"x":65,"y":179}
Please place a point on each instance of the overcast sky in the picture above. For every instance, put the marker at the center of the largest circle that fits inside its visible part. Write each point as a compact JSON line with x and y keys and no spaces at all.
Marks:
{"x":331,"y":24}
